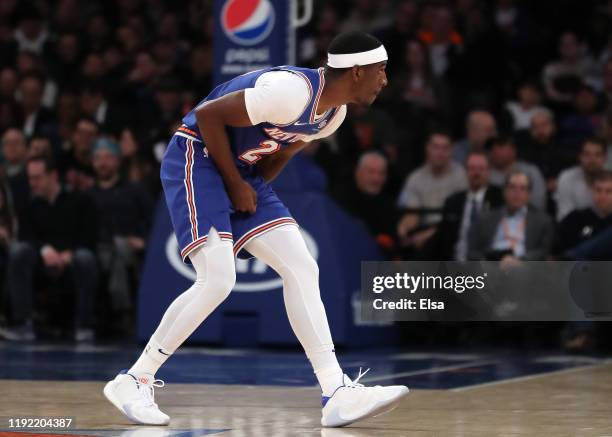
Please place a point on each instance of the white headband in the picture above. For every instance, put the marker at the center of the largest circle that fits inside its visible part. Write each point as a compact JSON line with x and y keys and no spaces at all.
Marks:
{"x":348,"y":60}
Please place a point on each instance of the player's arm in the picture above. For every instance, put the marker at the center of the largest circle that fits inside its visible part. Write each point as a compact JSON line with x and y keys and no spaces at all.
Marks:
{"x":212,"y":119}
{"x":270,"y":166}
{"x":277,"y":98}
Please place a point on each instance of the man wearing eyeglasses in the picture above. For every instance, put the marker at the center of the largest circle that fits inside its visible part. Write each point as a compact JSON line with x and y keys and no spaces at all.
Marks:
{"x":515,"y":232}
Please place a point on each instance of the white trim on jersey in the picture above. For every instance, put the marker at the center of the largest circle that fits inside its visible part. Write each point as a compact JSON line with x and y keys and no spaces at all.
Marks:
{"x":189,"y":137}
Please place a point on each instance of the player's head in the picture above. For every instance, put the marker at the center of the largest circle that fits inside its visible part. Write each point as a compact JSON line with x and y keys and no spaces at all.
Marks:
{"x":360,"y":58}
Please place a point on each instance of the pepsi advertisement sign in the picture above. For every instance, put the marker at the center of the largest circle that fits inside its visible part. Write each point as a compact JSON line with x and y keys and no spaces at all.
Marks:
{"x":247,"y":22}
{"x":251,"y":34}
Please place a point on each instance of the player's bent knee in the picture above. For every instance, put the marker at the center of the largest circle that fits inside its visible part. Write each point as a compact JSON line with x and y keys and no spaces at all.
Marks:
{"x":222,"y":267}
{"x":217,"y":289}
{"x":216,"y":272}
{"x":222,"y":281}
{"x":305,"y":264}
{"x":303,"y":268}
{"x":311,"y":266}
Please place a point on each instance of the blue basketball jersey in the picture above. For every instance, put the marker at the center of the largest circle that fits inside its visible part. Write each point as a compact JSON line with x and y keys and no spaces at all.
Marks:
{"x":250,"y":144}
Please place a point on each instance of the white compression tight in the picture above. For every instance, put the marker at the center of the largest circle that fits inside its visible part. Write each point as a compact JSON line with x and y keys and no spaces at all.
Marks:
{"x":215,"y":277}
{"x":285,"y":251}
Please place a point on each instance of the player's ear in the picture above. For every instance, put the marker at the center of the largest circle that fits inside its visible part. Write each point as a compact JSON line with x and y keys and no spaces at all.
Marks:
{"x":356,"y":73}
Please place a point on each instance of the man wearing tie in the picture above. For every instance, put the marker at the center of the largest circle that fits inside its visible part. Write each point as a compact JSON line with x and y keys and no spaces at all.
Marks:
{"x":462,"y":209}
{"x":518,"y":231}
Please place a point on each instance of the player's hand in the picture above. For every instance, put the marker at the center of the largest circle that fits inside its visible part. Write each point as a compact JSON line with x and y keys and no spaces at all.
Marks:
{"x":243,"y":197}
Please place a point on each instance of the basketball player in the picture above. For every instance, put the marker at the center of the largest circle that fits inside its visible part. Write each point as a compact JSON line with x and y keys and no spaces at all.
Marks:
{"x":215,"y":176}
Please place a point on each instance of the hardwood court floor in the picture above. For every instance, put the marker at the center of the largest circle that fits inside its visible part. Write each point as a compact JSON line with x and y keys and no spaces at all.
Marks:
{"x":571,"y":402}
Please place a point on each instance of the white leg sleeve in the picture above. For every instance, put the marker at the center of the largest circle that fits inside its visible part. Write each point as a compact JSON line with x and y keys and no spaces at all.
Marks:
{"x":215,"y":277}
{"x":285,"y":251}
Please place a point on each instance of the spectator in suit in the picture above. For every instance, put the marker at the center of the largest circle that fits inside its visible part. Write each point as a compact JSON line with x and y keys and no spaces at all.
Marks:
{"x":443,"y":41}
{"x":462,"y":209}
{"x":573,"y":191}
{"x":124,"y":212}
{"x":503,"y":159}
{"x":479,"y":127}
{"x":68,"y":112}
{"x":64,"y":65}
{"x":10,"y":114}
{"x":75,"y":163}
{"x":37,"y":118}
{"x":31,"y":34}
{"x":57,"y":232}
{"x":585,"y":233}
{"x":15,"y":151}
{"x":515,"y":232}
{"x":94,"y":104}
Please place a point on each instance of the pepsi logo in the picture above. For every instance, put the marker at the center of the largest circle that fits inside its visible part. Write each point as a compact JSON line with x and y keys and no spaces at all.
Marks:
{"x":247,"y":22}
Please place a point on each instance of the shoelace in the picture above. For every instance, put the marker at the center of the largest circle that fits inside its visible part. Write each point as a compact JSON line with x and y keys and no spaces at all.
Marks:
{"x":148,"y":394}
{"x":355,"y":383}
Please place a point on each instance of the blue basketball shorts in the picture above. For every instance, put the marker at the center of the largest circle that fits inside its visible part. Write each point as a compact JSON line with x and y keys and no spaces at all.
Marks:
{"x":197,"y":200}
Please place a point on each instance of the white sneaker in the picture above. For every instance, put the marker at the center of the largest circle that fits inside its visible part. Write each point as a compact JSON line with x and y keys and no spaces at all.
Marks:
{"x":353,"y":401}
{"x":134,"y":397}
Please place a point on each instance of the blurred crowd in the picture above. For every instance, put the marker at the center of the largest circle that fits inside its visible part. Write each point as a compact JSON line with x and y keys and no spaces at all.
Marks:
{"x":493,"y":139}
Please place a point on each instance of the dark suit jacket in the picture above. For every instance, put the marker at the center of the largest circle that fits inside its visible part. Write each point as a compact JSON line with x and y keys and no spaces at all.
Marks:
{"x":454,"y":206}
{"x":45,"y":124}
{"x":539,"y":233}
{"x":115,"y":119}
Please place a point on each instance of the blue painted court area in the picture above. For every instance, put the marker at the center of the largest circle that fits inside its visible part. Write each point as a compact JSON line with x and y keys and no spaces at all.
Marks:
{"x":257,"y":367}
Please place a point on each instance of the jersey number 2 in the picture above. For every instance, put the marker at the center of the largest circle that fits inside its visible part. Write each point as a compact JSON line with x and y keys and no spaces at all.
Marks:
{"x":267,"y":147}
